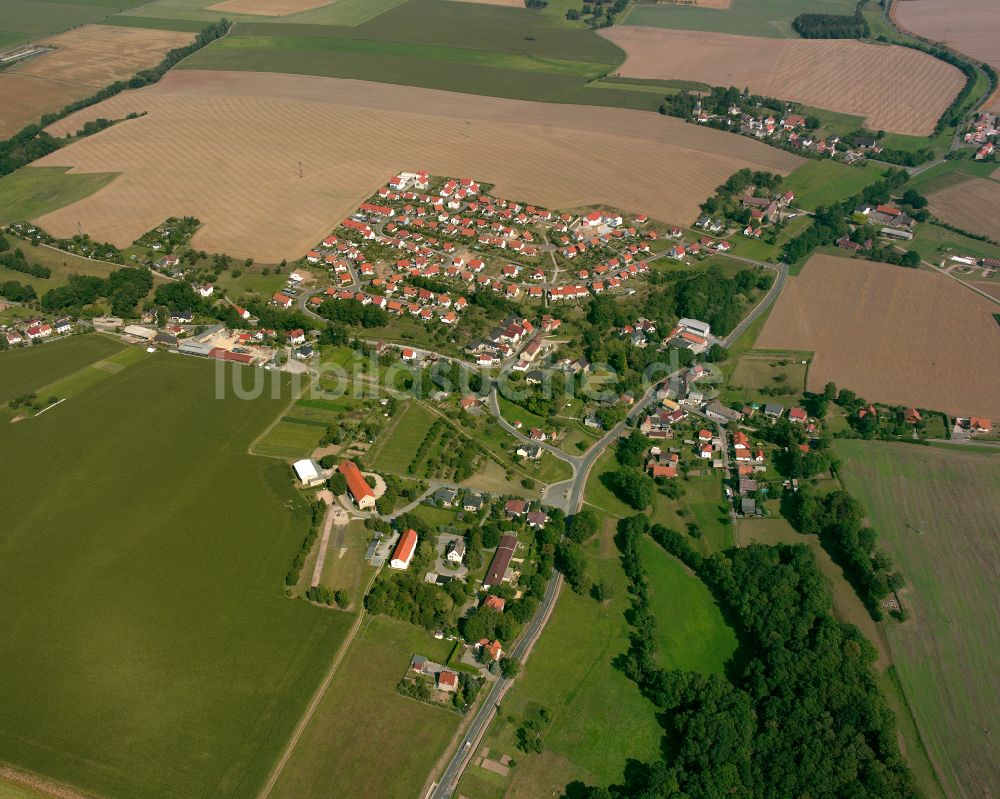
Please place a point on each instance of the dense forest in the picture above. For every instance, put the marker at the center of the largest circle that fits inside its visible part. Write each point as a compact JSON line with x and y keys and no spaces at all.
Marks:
{"x":801,"y":715}
{"x":124,"y":287}
{"x":832,"y":26}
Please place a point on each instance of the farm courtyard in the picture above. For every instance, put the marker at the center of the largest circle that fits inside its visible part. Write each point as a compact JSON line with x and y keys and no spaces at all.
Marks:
{"x":890,"y":334}
{"x":156,"y":656}
{"x":211,"y":136}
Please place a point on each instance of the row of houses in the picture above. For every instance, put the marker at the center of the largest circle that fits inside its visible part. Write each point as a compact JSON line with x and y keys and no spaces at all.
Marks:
{"x":36,"y":330}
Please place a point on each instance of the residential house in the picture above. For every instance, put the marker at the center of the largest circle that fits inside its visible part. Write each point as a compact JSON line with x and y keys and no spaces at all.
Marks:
{"x":455,"y":550}
{"x":402,"y":555}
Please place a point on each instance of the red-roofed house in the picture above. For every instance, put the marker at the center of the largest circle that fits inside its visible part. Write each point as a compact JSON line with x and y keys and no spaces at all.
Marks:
{"x":494,"y":602}
{"x":797,"y":415}
{"x":494,"y":650}
{"x":403,"y":553}
{"x":282,"y":300}
{"x":447,"y":681}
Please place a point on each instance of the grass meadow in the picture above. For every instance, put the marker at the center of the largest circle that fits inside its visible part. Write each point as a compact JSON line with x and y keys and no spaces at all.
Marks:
{"x":771,"y":18}
{"x":365,"y":739}
{"x":691,"y":633}
{"x":148,"y":649}
{"x":399,"y":441}
{"x":936,"y":512}
{"x":28,"y":369}
{"x":817,"y":183}
{"x":33,"y":191}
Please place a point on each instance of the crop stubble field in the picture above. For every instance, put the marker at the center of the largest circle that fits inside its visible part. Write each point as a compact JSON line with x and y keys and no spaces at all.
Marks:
{"x":894,"y":88}
{"x":156,"y":656}
{"x":84,"y":60}
{"x":969,"y":26}
{"x":972,"y":205}
{"x":225,"y":147}
{"x":890,"y":334}
{"x":936,"y":513}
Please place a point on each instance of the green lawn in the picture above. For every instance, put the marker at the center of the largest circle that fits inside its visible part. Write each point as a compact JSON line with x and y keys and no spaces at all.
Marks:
{"x":27,"y":369}
{"x":290,"y":439}
{"x":157,"y":655}
{"x":33,"y":191}
{"x":936,"y":513}
{"x":818,"y":183}
{"x":599,"y":718}
{"x":710,"y":510}
{"x":744,"y":17}
{"x":691,"y":634}
{"x":935,"y":243}
{"x":365,"y":739}
{"x":513,"y":413}
{"x":598,"y":494}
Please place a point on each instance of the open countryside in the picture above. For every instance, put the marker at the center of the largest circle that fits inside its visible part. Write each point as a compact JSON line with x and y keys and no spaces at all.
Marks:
{"x":498,"y":399}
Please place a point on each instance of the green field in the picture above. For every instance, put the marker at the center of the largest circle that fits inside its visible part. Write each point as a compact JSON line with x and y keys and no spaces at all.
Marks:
{"x":764,"y":376}
{"x":691,"y":634}
{"x":22,"y":20}
{"x":935,"y":243}
{"x":27,"y":369}
{"x":950,"y":173}
{"x":155,"y":655}
{"x":33,"y":191}
{"x":599,"y":495}
{"x":440,"y":44}
{"x":936,"y":512}
{"x":818,"y":183}
{"x":365,"y":739}
{"x":744,"y":17}
{"x":599,"y":718}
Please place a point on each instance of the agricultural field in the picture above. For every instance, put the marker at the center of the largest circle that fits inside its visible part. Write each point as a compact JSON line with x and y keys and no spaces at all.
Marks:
{"x":817,"y":183}
{"x":28,"y":369}
{"x":171,"y":620}
{"x":691,"y":634}
{"x":289,"y":12}
{"x":935,"y":509}
{"x":971,"y":206}
{"x":599,"y":719}
{"x":969,"y":26}
{"x":365,"y":739}
{"x":33,"y":191}
{"x":25,"y":20}
{"x":890,"y":334}
{"x":911,"y":91}
{"x":81,"y":62}
{"x":772,"y":18}
{"x":950,"y":173}
{"x":176,"y":148}
{"x":400,"y":440}
{"x":936,"y":244}
{"x":764,"y":376}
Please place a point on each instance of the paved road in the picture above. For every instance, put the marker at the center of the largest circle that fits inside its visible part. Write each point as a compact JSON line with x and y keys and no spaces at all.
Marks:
{"x":766,"y":301}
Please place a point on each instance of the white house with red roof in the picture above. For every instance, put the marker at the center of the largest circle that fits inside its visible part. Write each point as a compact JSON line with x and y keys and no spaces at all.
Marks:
{"x":282,"y":300}
{"x":406,"y":547}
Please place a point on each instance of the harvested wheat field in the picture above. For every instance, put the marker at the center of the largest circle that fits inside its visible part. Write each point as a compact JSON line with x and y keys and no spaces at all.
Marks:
{"x":84,"y":60}
{"x":971,"y":205}
{"x":894,"y":88}
{"x":891,"y":334}
{"x":225,"y":147}
{"x":969,"y":26}
{"x":268,"y":8}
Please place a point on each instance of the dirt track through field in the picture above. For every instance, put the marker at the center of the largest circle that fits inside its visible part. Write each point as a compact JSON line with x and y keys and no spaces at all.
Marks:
{"x":971,"y":205}
{"x":84,"y":59}
{"x":226,"y":147}
{"x":891,"y":334}
{"x":894,"y":88}
{"x":969,"y":26}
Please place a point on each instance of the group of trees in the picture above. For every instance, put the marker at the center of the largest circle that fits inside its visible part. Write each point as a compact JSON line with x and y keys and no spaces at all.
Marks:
{"x":832,"y":26}
{"x":323,"y":595}
{"x":353,"y":312}
{"x":803,"y":715}
{"x":16,"y":262}
{"x":728,"y":198}
{"x":631,"y":486}
{"x":124,"y":287}
{"x":17,"y":292}
{"x":838,"y":519}
{"x":292,"y":577}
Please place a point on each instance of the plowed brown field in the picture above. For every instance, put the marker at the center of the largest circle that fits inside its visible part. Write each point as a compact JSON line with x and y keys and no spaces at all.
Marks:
{"x":85,"y":59}
{"x":268,"y":8}
{"x":971,"y":205}
{"x":969,"y":26}
{"x":226,"y":147}
{"x":891,"y":334}
{"x":893,"y":88}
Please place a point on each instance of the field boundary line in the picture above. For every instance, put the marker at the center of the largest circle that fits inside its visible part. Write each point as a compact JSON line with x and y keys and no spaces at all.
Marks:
{"x":316,"y":699}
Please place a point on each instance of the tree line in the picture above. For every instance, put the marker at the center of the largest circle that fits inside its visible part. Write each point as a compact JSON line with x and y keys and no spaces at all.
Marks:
{"x":832,"y":26}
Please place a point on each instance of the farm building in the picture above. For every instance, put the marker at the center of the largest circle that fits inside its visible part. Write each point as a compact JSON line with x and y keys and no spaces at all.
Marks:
{"x":361,"y":492}
{"x":501,"y":560}
{"x":402,"y":555}
{"x":309,"y":472}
